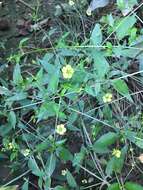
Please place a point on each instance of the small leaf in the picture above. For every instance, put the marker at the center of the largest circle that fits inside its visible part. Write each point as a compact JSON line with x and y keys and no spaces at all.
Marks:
{"x":60,"y":188}
{"x":64,"y":154}
{"x":114,"y":186}
{"x":124,"y":26}
{"x":17,"y":97}
{"x":22,"y":42}
{"x":78,"y":158}
{"x":126,"y":6}
{"x":122,"y":88}
{"x":25,"y":185}
{"x":100,"y":64}
{"x":51,"y":165}
{"x":101,"y":145}
{"x":4,"y":91}
{"x":93,"y":91}
{"x":96,"y":36}
{"x":70,"y":179}
{"x":34,"y":167}
{"x":133,"y":186}
{"x":12,"y":119}
{"x":17,"y":78}
{"x":42,"y":146}
{"x":14,"y":187}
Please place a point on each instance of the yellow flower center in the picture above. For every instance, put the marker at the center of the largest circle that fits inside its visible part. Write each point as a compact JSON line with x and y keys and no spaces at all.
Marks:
{"x":60,"y":129}
{"x":116,"y":153}
{"x":107,"y":98}
{"x":67,"y":71}
{"x":26,"y":152}
{"x":71,"y":3}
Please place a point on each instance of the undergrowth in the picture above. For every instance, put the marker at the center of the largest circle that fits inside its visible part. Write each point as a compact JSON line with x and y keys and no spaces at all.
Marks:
{"x":71,"y":114}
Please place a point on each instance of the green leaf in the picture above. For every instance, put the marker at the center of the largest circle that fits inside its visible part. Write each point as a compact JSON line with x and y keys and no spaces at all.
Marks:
{"x":126,"y":6}
{"x":42,"y":146}
{"x":101,"y":145}
{"x":116,"y":164}
{"x":132,"y":136}
{"x":34,"y":167}
{"x":122,"y":88}
{"x":47,"y":110}
{"x":70,"y":179}
{"x":124,"y":25}
{"x":25,"y":185}
{"x":64,"y":154}
{"x":93,"y":91}
{"x":60,"y":188}
{"x":96,"y":36}
{"x":17,"y":97}
{"x":53,"y":72}
{"x":17,"y":78}
{"x":12,"y":119}
{"x":114,"y":186}
{"x":22,"y":42}
{"x":133,"y":186}
{"x":14,"y":187}
{"x":78,"y":158}
{"x":100,"y":64}
{"x":4,"y":91}
{"x":50,"y":165}
{"x":5,"y":129}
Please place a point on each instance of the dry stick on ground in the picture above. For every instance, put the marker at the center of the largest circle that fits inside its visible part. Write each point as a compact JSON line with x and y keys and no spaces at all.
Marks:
{"x":39,"y":25}
{"x":26,"y":4}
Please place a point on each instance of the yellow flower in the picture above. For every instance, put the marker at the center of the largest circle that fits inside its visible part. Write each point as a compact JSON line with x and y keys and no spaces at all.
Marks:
{"x":10,"y":146}
{"x":71,"y":3}
{"x":25,"y":152}
{"x":107,"y":98}
{"x":116,"y":153}
{"x":89,"y":12}
{"x":64,"y":172}
{"x":67,"y":72}
{"x":61,"y":129}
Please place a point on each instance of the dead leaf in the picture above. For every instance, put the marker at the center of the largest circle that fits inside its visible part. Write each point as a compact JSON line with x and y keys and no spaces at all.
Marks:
{"x":141,"y":158}
{"x":95,"y":4}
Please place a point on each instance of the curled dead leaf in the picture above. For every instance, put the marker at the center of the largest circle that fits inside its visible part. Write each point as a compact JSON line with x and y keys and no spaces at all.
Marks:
{"x":141,"y":158}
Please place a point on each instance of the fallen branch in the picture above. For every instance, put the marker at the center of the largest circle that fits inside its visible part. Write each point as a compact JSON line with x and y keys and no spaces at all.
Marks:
{"x":38,"y":25}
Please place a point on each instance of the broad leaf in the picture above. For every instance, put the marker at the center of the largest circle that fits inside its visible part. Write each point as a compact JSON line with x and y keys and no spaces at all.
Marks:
{"x":101,"y":145}
{"x":25,"y":185}
{"x":126,"y":6}
{"x":122,"y":88}
{"x":34,"y":167}
{"x":51,"y":165}
{"x":114,"y":186}
{"x":100,"y":64}
{"x":14,"y":187}
{"x":96,"y":36}
{"x":64,"y":154}
{"x":133,"y":186}
{"x":12,"y":119}
{"x":17,"y":78}
{"x":70,"y":179}
{"x":116,"y":164}
{"x":124,"y":25}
